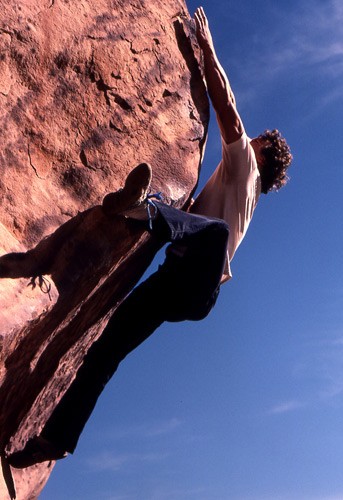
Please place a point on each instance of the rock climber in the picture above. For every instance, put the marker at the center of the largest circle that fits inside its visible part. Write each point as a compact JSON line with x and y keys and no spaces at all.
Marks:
{"x":203,"y":242}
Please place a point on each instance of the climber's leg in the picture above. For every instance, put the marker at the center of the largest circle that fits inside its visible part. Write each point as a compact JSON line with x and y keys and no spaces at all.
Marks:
{"x":168,"y":295}
{"x":174,"y":293}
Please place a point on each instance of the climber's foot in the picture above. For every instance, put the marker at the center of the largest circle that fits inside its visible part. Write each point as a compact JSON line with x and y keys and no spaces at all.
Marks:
{"x":36,"y":450}
{"x":132,"y":195}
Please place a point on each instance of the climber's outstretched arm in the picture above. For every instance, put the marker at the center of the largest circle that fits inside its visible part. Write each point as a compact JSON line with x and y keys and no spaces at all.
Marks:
{"x":218,"y":85}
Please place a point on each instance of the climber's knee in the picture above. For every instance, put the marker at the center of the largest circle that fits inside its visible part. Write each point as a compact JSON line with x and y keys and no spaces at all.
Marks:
{"x":194,"y":306}
{"x":221,"y":229}
{"x":203,"y":306}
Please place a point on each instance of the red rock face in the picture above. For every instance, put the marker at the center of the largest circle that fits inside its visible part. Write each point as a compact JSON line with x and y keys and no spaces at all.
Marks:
{"x":87,"y":91}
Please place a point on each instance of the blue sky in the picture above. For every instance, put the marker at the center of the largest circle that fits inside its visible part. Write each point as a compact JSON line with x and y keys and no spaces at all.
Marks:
{"x":247,"y":404}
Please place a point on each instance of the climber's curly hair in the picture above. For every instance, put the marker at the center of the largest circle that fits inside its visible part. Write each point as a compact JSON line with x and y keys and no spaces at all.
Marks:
{"x":277,"y":158}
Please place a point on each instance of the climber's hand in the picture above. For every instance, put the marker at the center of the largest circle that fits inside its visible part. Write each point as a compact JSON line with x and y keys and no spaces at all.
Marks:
{"x":202,"y":29}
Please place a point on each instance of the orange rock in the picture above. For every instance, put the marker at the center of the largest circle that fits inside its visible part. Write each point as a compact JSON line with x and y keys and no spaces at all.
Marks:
{"x":87,"y":91}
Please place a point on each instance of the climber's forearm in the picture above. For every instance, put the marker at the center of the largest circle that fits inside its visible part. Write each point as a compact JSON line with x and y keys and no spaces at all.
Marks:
{"x":218,"y":84}
{"x":217,"y":81}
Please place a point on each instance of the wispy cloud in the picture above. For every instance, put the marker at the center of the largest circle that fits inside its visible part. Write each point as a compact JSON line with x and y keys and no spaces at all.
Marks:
{"x":172,"y":493}
{"x":337,"y":342}
{"x":163,"y":427}
{"x":332,"y":374}
{"x":323,"y":364}
{"x":292,"y":496}
{"x":145,"y":431}
{"x":107,"y":461}
{"x":286,"y":407}
{"x":314,"y":39}
{"x":307,"y":41}
{"x":166,"y":492}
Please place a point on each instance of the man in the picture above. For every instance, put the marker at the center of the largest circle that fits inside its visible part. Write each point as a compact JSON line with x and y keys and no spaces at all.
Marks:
{"x":203,"y":244}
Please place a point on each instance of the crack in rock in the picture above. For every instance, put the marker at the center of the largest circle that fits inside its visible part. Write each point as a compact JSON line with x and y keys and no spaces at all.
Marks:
{"x":31,"y":164}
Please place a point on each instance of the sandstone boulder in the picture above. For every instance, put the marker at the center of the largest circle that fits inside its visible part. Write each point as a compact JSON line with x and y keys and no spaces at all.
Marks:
{"x":88,"y":89}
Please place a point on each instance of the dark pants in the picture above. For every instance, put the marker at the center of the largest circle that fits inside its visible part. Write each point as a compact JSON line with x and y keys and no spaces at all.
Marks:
{"x":185,"y":287}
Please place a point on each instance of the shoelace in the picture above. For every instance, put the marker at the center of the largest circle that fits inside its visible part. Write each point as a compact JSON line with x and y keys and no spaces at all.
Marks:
{"x":150,"y":204}
{"x":43,"y":283}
